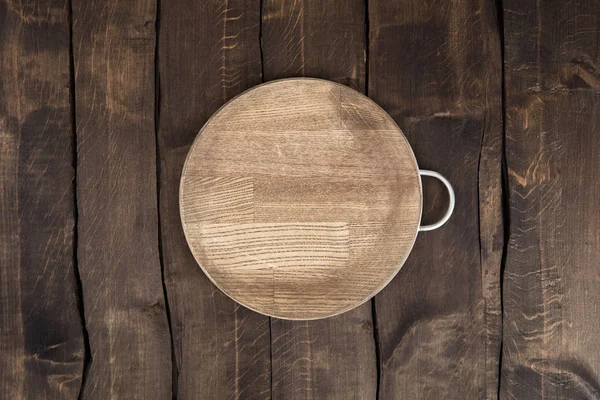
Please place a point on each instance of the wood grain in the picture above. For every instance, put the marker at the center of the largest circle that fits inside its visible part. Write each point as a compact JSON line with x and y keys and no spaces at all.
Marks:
{"x":292,"y":250}
{"x":315,"y":39}
{"x":332,"y":358}
{"x":552,"y":281}
{"x":114,"y":46}
{"x":435,"y":67}
{"x":208,"y":53}
{"x":41,"y":338}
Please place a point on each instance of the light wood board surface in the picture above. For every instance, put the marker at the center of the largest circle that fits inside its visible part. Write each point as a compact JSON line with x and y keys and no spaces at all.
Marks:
{"x":300,"y":199}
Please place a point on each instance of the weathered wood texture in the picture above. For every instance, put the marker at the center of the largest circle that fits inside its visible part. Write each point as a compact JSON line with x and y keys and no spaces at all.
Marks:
{"x":208,"y":52}
{"x":41,"y":337}
{"x":333,"y":358}
{"x":114,"y":47}
{"x":315,"y":39}
{"x":436,"y":68}
{"x":552,"y":280}
{"x":434,"y":65}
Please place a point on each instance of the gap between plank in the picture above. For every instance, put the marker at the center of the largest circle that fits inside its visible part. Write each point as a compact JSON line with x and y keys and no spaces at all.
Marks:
{"x":377,"y":345}
{"x":373,"y":303}
{"x":260,"y":41}
{"x":174,"y":371}
{"x":497,"y":8}
{"x":87,"y":358}
{"x":505,"y":187}
{"x":367,"y":45}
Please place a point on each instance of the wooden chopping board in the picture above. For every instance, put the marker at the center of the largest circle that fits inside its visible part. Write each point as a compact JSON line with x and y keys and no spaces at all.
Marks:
{"x":300,"y":198}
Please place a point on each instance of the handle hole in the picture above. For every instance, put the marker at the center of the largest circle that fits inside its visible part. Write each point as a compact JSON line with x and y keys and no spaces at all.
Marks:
{"x":435,"y":200}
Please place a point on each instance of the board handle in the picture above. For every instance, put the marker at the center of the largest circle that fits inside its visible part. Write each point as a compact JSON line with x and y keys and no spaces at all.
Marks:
{"x":446,"y":217}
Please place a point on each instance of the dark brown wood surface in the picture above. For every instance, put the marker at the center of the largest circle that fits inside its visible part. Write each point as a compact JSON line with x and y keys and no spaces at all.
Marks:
{"x":41,"y":337}
{"x":435,"y":322}
{"x":118,"y":255}
{"x":552,"y":278}
{"x":101,"y":298}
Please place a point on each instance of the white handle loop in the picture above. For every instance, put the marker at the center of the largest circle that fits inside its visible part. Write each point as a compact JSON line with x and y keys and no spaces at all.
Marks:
{"x":446,"y":217}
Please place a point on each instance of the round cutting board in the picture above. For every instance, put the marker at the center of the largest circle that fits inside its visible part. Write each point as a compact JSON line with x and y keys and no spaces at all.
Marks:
{"x":300,"y":198}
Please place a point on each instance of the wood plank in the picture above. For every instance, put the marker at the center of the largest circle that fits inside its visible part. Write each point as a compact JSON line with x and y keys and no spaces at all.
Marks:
{"x":333,"y":358}
{"x":552,"y":281}
{"x":41,"y":345}
{"x":208,"y":53}
{"x":114,"y":47}
{"x":436,"y":68}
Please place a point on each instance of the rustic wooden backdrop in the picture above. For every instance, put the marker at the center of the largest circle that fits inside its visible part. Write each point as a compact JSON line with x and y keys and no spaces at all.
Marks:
{"x":101,"y":298}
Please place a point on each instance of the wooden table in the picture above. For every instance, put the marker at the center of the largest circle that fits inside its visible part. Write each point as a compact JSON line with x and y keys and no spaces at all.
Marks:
{"x":101,"y":298}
